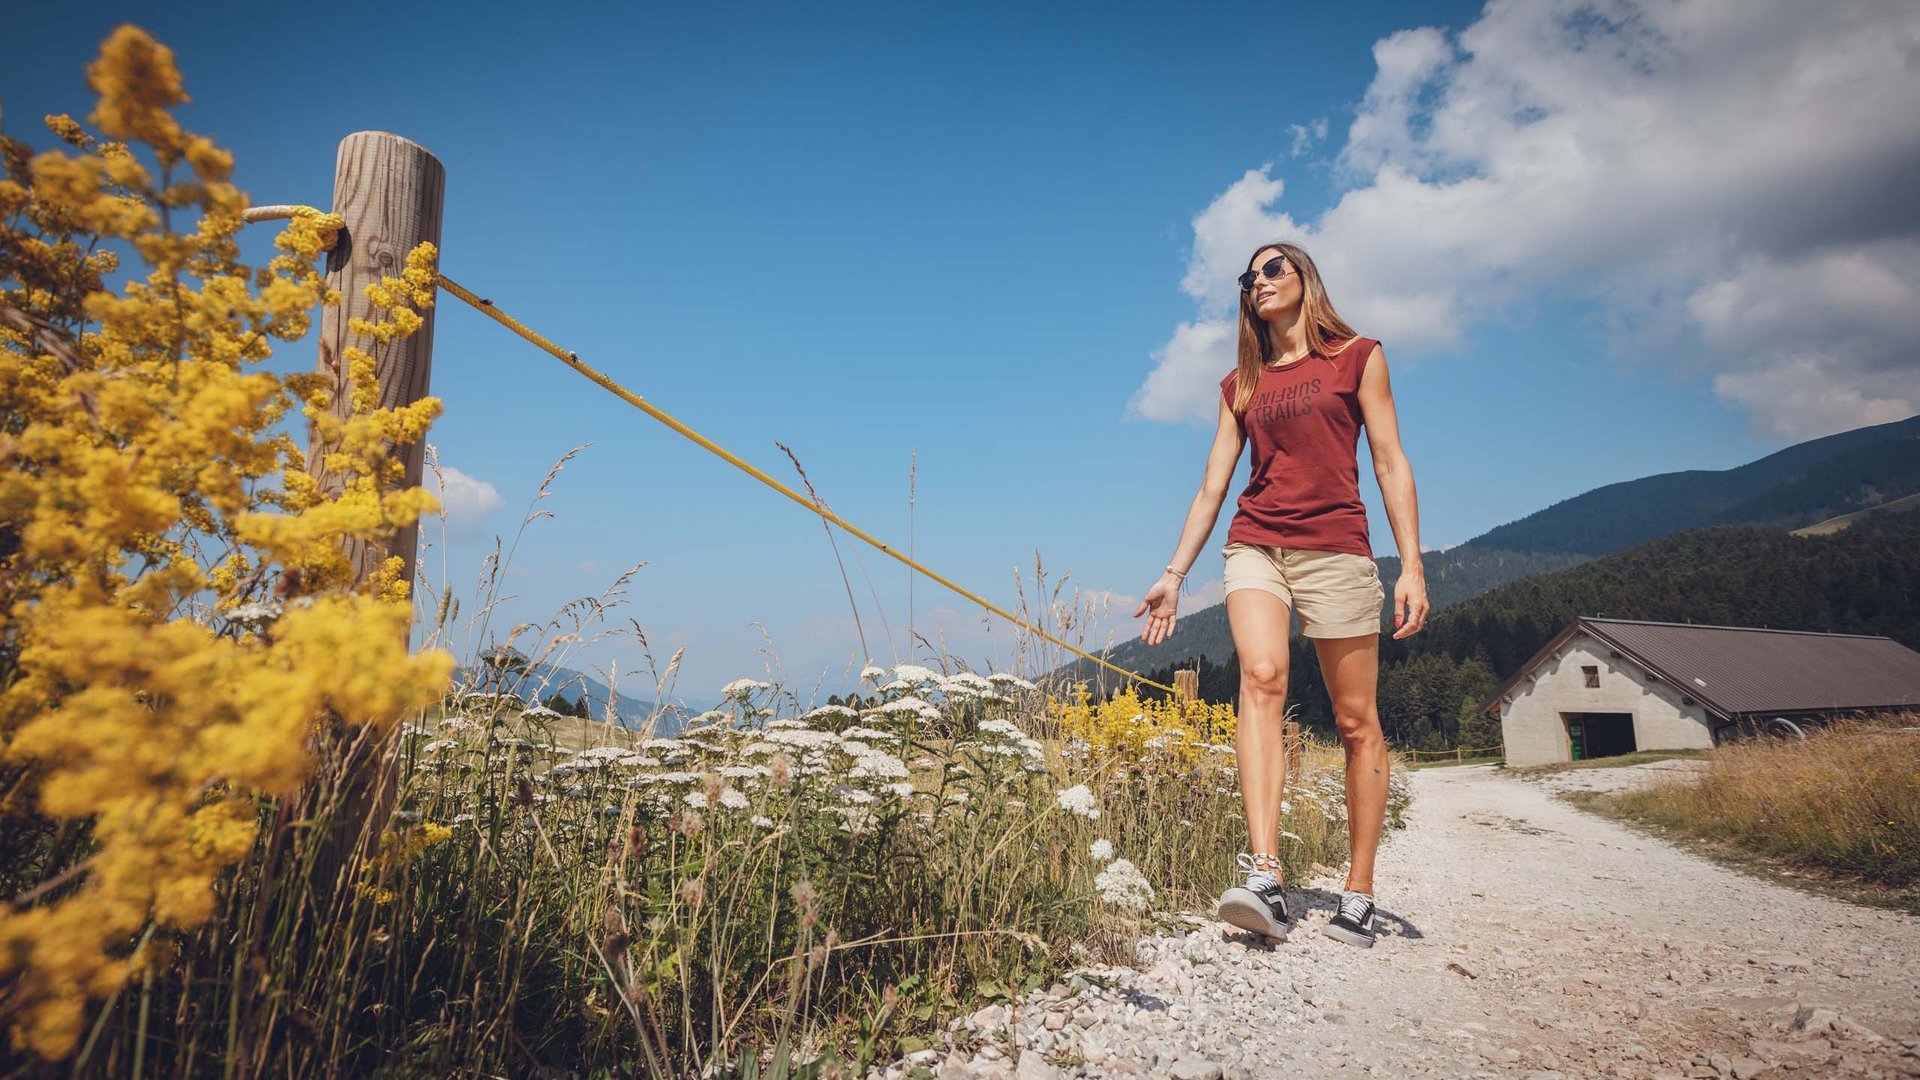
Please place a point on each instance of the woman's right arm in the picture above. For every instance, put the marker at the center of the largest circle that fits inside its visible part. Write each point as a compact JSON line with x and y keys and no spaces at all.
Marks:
{"x":1163,"y":598}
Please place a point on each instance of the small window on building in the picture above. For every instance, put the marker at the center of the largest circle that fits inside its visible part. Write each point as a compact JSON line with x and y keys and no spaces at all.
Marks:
{"x":1593,"y":674}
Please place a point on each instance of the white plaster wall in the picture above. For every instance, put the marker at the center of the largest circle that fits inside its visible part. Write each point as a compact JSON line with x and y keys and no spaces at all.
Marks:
{"x":1535,"y":734}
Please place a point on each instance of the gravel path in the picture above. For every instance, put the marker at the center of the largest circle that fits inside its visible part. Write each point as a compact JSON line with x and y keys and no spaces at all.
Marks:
{"x":1519,"y":937}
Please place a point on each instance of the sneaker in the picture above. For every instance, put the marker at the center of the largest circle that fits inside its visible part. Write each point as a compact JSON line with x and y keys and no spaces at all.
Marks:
{"x":1354,"y":923}
{"x":1257,"y":905}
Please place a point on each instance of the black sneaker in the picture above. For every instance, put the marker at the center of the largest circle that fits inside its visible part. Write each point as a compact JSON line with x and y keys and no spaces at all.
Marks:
{"x":1354,"y":923}
{"x":1258,"y":905}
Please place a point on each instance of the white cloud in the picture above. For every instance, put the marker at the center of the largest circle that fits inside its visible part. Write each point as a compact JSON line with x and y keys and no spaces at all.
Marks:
{"x":1305,"y":135}
{"x":465,"y":500}
{"x":1727,"y":180}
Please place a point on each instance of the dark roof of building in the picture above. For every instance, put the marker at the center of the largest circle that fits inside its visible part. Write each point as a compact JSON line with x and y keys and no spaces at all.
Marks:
{"x":1734,"y":670}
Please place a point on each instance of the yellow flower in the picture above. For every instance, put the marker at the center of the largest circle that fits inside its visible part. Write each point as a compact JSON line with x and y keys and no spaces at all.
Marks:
{"x":132,"y":451}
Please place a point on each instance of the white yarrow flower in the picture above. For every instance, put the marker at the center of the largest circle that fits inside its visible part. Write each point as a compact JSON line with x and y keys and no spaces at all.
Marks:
{"x":1123,"y":885}
{"x":1101,"y":849}
{"x":1079,"y":800}
{"x":743,"y":688}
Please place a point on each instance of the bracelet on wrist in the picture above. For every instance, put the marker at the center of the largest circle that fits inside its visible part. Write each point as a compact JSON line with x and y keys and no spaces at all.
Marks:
{"x":1176,"y":573}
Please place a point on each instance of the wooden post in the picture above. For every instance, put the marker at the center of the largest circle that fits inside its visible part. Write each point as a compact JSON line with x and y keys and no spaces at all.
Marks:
{"x":389,"y":191}
{"x":1186,"y":685}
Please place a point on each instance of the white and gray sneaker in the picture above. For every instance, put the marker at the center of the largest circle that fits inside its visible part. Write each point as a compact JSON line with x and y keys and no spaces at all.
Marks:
{"x":1257,"y":905}
{"x":1354,"y":923}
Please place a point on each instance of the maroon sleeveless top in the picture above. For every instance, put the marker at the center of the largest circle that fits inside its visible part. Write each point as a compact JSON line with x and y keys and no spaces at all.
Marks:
{"x":1304,"y":424}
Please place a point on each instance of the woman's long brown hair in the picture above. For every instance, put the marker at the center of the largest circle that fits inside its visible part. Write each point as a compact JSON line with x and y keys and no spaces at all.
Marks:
{"x":1327,"y":332}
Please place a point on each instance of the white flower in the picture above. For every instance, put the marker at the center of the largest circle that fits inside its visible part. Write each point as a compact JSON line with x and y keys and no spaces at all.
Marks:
{"x":1079,"y":800}
{"x":733,"y":799}
{"x":743,"y":688}
{"x":256,"y":611}
{"x":878,"y":763}
{"x":788,"y":737}
{"x":457,"y":723}
{"x":787,"y":722}
{"x":438,"y":745}
{"x":907,"y":704}
{"x":1003,"y":727}
{"x":762,"y":820}
{"x":854,"y":794}
{"x":1123,"y":885}
{"x":1010,"y":680}
{"x":1101,"y":850}
{"x":1286,"y":807}
{"x":869,"y":733}
{"x":696,"y":799}
{"x":828,"y":710}
{"x":957,"y":796}
{"x":897,"y":684}
{"x":538,"y":712}
{"x":872,"y":674}
{"x":903,"y":789}
{"x":915,"y":673}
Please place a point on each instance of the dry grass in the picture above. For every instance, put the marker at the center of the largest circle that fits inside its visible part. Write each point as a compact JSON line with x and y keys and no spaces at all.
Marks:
{"x":1844,"y":802}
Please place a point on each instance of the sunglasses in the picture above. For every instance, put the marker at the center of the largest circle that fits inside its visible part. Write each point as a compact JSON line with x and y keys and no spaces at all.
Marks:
{"x":1272,"y":269}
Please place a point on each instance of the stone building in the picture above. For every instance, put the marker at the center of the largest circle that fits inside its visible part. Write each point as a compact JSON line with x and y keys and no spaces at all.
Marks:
{"x":1613,"y":686}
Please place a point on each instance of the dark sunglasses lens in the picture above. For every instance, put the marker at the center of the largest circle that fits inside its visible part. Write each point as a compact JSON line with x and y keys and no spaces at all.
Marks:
{"x":1270,"y":269}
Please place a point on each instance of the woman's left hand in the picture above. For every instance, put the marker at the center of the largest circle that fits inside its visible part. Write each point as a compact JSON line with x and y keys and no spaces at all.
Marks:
{"x":1409,"y":604}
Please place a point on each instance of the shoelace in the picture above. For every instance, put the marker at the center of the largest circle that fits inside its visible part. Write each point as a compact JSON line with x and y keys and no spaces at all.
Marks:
{"x":1257,"y":875}
{"x":1354,"y":905}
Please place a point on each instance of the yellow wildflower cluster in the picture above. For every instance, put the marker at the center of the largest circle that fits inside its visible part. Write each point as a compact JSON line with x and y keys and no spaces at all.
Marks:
{"x":177,"y":619}
{"x":397,"y":848}
{"x":1165,"y":729}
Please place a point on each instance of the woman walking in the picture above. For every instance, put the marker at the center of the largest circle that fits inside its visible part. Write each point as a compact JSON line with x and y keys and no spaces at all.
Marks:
{"x":1306,"y":382}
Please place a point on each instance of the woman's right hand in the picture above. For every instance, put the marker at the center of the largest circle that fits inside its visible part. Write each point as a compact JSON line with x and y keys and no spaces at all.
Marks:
{"x":1162,"y":599}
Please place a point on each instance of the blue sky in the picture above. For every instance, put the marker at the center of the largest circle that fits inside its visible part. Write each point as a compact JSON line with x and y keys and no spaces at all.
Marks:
{"x":1000,"y":235}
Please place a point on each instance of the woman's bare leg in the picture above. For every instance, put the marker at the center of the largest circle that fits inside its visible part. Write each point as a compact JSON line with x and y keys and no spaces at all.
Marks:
{"x":1259,"y":620}
{"x":1351,"y":667}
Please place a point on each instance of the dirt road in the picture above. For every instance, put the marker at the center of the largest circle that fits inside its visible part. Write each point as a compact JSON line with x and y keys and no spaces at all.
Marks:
{"x":1520,"y":937}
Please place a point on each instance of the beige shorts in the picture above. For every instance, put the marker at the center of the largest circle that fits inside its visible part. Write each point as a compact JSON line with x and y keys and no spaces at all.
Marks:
{"x":1336,"y":593}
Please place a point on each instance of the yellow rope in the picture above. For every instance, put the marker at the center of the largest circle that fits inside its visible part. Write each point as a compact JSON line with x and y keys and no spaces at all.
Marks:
{"x":486,"y":308}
